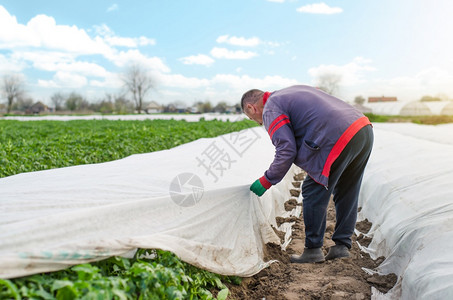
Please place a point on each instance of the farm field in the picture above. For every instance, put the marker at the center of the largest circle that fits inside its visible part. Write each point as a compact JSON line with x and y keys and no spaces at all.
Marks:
{"x":165,"y":276}
{"x":40,"y":145}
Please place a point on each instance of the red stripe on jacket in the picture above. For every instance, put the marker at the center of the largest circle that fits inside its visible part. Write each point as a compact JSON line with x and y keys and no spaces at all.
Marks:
{"x":344,"y":139}
{"x":280,"y":124}
{"x":276,"y":120}
{"x":265,"y":97}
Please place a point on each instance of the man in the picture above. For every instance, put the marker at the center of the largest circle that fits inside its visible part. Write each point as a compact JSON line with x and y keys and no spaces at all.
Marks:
{"x":327,"y":138}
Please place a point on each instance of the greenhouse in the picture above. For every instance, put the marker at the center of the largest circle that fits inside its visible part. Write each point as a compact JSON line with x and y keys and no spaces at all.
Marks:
{"x":414,"y":108}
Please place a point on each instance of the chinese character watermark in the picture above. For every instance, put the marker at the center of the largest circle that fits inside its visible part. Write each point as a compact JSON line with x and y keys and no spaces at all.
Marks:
{"x":241,"y":141}
{"x":215,"y":160}
{"x":219,"y":155}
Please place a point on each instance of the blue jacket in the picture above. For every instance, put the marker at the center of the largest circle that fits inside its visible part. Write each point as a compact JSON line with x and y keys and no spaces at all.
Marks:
{"x":308,"y":128}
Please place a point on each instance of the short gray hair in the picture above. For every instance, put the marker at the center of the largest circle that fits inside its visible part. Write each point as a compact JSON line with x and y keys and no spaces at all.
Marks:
{"x":251,"y":97}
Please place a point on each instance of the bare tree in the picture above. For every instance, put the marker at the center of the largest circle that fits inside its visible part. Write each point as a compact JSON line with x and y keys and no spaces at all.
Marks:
{"x":221,"y":107}
{"x":329,"y":83}
{"x":13,"y":88}
{"x":57,"y":100}
{"x":23,"y":103}
{"x":121,"y":104}
{"x":359,"y":100}
{"x":138,"y":83}
{"x":76,"y":102}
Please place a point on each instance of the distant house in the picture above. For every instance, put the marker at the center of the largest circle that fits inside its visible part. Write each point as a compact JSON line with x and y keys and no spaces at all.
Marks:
{"x":180,"y":109}
{"x":381,"y":99}
{"x":37,"y":108}
{"x":153,"y":108}
{"x":193,"y":109}
{"x":176,"y":108}
{"x":233,"y":109}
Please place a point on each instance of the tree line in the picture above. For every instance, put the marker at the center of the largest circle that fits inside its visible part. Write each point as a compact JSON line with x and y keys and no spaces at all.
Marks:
{"x":75,"y":102}
{"x":137,"y":84}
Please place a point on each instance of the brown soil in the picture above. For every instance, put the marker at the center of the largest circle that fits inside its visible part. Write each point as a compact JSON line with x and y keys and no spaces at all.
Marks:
{"x":337,"y":279}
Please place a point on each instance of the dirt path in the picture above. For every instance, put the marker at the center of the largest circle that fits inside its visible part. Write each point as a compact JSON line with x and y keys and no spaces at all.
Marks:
{"x":337,"y":279}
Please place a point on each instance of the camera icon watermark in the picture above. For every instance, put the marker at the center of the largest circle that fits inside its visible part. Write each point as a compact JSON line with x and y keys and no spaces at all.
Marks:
{"x":186,"y":189}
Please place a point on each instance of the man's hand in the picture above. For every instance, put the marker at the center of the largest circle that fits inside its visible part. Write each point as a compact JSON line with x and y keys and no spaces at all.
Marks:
{"x":258,"y":188}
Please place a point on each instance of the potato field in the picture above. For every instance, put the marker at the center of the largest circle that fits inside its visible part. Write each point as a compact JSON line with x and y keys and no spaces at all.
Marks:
{"x":151,"y":274}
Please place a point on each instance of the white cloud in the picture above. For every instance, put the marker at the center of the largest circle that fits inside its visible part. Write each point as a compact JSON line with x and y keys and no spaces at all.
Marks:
{"x":43,"y":57}
{"x":245,"y":82}
{"x":144,"y":41}
{"x":181,"y":81}
{"x":112,"y":81}
{"x":112,"y":7}
{"x":228,"y":54}
{"x":9,"y":64}
{"x":69,"y":79}
{"x":63,"y":37}
{"x":357,"y":80}
{"x":124,"y":58}
{"x":274,"y":44}
{"x":351,"y":73}
{"x":120,"y":41}
{"x":43,"y":32}
{"x":199,"y":59}
{"x":319,"y":8}
{"x":238,"y":41}
{"x":17,"y":35}
{"x":47,"y":83}
{"x":431,"y":81}
{"x":221,"y":87}
{"x":64,"y":80}
{"x":57,"y":61}
{"x":128,"y":42}
{"x":103,"y":30}
{"x":80,"y":67}
{"x":108,"y":36}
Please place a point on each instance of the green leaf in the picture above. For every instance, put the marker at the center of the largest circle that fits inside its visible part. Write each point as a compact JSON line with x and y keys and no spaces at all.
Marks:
{"x":8,"y":289}
{"x":44,"y":294}
{"x":58,"y":284}
{"x":122,"y":295}
{"x":223,"y":294}
{"x":85,"y":271}
{"x":67,"y":292}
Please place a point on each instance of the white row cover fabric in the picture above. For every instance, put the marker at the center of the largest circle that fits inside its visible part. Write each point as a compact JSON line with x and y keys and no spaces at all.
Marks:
{"x":187,"y":117}
{"x":53,"y":219}
{"x":193,"y":200}
{"x":407,"y":193}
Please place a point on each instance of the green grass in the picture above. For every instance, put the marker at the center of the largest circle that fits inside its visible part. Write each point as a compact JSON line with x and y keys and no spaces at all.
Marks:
{"x":39,"y":145}
{"x":426,"y":120}
{"x":27,"y":146}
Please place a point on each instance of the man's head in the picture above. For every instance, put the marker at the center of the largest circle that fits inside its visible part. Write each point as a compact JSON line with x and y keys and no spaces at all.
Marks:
{"x":252,"y":105}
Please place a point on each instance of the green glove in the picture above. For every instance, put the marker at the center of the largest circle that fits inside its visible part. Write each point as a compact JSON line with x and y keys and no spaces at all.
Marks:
{"x":260,"y":186}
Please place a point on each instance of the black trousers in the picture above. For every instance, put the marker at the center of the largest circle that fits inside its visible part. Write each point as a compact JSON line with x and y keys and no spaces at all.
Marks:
{"x":344,"y":183}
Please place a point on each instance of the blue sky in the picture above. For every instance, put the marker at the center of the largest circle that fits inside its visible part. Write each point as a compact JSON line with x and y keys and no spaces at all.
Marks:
{"x":216,"y":50}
